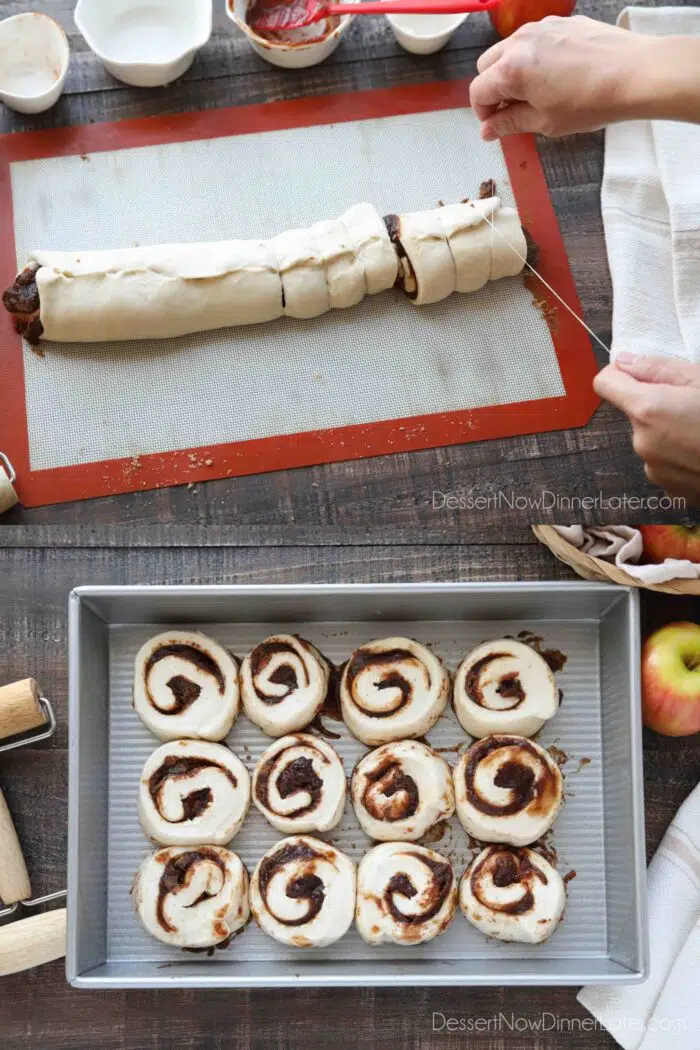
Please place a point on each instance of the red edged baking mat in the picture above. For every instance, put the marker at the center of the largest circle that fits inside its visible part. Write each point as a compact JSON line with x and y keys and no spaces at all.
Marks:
{"x":383,"y":377}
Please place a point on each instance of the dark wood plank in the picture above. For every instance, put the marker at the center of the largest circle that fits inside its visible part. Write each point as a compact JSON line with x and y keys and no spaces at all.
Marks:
{"x":38,"y":1010}
{"x":387,"y":498}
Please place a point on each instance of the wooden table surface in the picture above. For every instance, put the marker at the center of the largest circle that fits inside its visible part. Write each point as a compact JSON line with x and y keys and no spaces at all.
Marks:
{"x":367,"y":521}
{"x":38,"y":1010}
{"x":389,"y":495}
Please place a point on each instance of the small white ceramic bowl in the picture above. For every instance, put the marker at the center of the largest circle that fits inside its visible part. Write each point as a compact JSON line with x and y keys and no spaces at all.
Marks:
{"x":295,"y":55}
{"x":34,"y":57}
{"x":145,"y":43}
{"x":424,"y":34}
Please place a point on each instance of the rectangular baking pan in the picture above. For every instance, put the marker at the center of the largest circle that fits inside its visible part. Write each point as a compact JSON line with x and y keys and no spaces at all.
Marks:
{"x":599,"y":834}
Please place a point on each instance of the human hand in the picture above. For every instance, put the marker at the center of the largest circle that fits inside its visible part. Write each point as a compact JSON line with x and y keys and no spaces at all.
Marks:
{"x":661,"y":397}
{"x":560,"y":76}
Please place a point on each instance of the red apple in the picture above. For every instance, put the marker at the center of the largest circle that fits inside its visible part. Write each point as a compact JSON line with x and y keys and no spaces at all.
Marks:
{"x":512,"y":14}
{"x":671,"y":541}
{"x":671,"y":680}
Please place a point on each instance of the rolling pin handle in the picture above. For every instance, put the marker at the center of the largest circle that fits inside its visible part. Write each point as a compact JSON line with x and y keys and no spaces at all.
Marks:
{"x":14,"y":877}
{"x":22,"y":709}
{"x":33,"y":941}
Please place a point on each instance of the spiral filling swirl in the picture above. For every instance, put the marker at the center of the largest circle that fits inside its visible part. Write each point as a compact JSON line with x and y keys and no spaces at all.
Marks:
{"x":401,"y":790}
{"x":513,"y":894}
{"x":508,"y":789}
{"x":397,"y":670}
{"x":401,"y":885}
{"x":191,"y":898}
{"x":406,"y":894}
{"x":390,"y":794}
{"x":191,"y":792}
{"x":284,"y":683}
{"x":299,"y":784}
{"x":303,"y":892}
{"x":392,"y":688}
{"x":504,"y":686}
{"x":507,"y":686}
{"x":178,"y":872}
{"x":186,"y":685}
{"x":184,"y":691}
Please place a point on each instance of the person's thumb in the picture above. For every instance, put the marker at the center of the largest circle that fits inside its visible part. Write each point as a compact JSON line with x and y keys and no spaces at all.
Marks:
{"x":656,"y":369}
{"x":513,"y":119}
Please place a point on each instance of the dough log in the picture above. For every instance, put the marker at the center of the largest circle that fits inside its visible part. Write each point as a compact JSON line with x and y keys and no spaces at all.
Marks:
{"x":457,"y":247}
{"x":166,"y":291}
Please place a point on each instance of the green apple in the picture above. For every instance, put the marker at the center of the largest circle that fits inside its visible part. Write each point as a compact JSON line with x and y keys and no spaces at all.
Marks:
{"x":671,"y":680}
{"x":671,"y":541}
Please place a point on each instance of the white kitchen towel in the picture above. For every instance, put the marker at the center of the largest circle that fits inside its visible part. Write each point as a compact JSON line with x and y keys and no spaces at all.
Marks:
{"x":623,"y":545}
{"x":663,"y":1012}
{"x":651,"y":214}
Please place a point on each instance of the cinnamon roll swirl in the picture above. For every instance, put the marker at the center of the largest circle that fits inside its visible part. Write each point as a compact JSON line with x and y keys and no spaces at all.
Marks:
{"x":192,"y":791}
{"x":186,"y":685}
{"x":303,"y":893}
{"x":401,"y":790}
{"x":299,"y":785}
{"x":504,"y":686}
{"x":392,"y":689}
{"x":192,"y":898}
{"x":406,"y":894}
{"x":284,"y":682}
{"x":507,"y":789}
{"x":513,"y":894}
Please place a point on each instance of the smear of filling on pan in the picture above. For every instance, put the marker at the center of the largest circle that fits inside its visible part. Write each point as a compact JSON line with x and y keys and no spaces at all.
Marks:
{"x":286,"y":11}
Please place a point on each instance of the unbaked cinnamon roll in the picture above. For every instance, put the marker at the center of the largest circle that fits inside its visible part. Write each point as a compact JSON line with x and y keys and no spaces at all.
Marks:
{"x":406,"y":894}
{"x":400,"y":790}
{"x":299,"y":785}
{"x":504,"y":686}
{"x":392,"y":689}
{"x":284,"y":682}
{"x":186,"y":685}
{"x":513,"y":894}
{"x":191,"y":897}
{"x":507,"y":789}
{"x":192,"y":791}
{"x":302,"y":892}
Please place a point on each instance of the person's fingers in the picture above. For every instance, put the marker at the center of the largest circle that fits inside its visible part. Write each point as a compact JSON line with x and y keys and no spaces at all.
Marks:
{"x":675,"y":482}
{"x":513,"y":119}
{"x":615,"y":386}
{"x":657,"y":369}
{"x":491,"y":56}
{"x":660,"y":444}
{"x":490,"y":90}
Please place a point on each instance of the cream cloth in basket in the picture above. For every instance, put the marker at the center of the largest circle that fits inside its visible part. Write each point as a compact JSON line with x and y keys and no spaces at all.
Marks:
{"x":651,"y":213}
{"x":663,"y":1013}
{"x":623,"y":545}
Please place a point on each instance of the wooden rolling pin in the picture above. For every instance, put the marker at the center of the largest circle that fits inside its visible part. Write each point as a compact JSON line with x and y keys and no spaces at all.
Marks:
{"x":20,"y":709}
{"x":33,"y":941}
{"x":14,"y":878}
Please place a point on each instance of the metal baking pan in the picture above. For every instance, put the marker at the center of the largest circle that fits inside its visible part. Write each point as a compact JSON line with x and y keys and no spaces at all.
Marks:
{"x":599,"y":834}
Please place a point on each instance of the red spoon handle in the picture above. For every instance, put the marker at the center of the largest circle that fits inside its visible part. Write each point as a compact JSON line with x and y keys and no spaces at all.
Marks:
{"x":411,"y":7}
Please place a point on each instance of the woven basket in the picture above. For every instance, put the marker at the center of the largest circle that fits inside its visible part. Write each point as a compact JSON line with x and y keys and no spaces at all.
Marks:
{"x":606,"y":572}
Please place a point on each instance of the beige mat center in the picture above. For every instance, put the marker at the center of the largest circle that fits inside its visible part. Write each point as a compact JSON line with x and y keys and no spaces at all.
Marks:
{"x":381,"y":360}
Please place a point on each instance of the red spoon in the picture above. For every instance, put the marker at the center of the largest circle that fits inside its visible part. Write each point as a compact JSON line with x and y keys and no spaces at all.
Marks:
{"x":274,"y":16}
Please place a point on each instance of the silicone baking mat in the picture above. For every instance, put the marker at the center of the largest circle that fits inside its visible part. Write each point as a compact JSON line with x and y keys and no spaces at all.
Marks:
{"x":383,"y":377}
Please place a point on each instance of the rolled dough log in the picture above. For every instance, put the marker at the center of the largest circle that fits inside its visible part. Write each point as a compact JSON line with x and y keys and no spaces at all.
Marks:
{"x":165,"y":291}
{"x":458,"y":247}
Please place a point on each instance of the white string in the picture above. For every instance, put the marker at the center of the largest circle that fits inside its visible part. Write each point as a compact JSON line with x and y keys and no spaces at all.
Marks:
{"x":539,"y":276}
